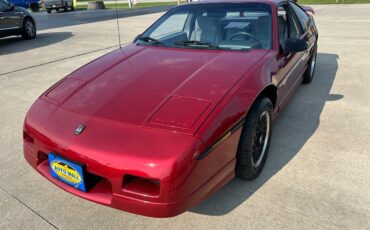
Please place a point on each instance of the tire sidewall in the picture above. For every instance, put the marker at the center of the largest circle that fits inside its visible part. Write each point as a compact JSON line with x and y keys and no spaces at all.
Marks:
{"x":308,"y":76}
{"x":25,"y":34}
{"x":245,"y":168}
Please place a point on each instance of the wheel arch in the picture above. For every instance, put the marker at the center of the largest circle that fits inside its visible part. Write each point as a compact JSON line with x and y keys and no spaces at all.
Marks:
{"x":270,"y":92}
{"x":29,"y":17}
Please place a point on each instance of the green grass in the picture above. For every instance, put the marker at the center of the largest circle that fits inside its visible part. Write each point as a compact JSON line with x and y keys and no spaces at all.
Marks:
{"x":154,"y":4}
{"x":125,"y":5}
{"x":331,"y":1}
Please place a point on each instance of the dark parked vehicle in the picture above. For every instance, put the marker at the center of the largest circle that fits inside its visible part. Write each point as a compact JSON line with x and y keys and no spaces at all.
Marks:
{"x":58,"y":4}
{"x":34,"y":5}
{"x":16,"y":21}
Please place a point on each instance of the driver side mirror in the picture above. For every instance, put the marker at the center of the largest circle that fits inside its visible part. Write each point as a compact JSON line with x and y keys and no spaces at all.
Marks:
{"x":294,"y":45}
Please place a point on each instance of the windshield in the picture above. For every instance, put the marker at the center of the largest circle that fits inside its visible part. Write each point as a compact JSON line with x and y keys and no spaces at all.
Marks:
{"x":232,"y":26}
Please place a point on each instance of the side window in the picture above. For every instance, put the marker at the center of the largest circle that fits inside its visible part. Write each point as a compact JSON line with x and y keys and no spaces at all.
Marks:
{"x":174,"y":24}
{"x":287,"y":26}
{"x":301,"y":15}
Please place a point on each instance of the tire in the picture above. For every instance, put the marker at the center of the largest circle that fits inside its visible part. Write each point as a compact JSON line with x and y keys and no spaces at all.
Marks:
{"x":72,"y":7}
{"x":255,"y":140}
{"x":310,"y":71}
{"x":29,"y":29}
{"x":35,"y":7}
{"x":48,"y":10}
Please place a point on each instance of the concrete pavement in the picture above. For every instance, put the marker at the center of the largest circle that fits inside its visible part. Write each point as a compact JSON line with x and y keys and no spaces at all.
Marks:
{"x":64,"y":36}
{"x":317,"y":173}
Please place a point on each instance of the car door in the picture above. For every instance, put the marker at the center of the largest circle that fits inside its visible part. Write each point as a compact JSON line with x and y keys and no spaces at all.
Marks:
{"x":290,"y":71}
{"x":308,"y":33}
{"x":10,"y":19}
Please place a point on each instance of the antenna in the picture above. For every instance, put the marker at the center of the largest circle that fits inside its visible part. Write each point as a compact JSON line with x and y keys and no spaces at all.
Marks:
{"x":119,"y":32}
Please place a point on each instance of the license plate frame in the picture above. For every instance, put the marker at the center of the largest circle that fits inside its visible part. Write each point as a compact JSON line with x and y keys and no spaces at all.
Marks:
{"x":69,"y":172}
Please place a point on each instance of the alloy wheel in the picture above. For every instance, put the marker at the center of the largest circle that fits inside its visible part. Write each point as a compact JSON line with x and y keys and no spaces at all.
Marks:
{"x":261,"y":139}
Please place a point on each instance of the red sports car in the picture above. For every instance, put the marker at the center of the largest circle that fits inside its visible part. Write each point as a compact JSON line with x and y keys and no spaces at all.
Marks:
{"x":158,"y":125}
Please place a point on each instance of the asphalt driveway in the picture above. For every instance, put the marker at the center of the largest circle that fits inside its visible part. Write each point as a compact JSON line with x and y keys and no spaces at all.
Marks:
{"x":317,"y":174}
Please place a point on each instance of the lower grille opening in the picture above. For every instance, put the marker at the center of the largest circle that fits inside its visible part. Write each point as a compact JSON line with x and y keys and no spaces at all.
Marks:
{"x":91,"y":180}
{"x":42,"y":156}
{"x":141,"y":186}
{"x":27,"y":138}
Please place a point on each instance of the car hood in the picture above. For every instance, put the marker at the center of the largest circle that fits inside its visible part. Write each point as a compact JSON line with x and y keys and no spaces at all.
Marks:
{"x":158,"y":87}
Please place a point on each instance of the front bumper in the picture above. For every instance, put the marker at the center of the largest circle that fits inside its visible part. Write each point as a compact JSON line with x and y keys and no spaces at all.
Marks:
{"x":57,"y":5}
{"x":112,"y":151}
{"x":53,"y":7}
{"x":102,"y":192}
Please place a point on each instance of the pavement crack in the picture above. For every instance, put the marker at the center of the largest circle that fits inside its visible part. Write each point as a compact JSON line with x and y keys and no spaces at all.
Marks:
{"x":24,"y":204}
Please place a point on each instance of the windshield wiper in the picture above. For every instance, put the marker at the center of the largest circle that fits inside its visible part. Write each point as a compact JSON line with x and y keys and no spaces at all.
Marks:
{"x":150,"y":40}
{"x":197,"y":44}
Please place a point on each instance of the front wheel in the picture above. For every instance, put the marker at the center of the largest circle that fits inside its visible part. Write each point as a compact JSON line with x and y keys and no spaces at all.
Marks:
{"x":48,"y":10}
{"x":29,"y":29}
{"x":255,"y":140}
{"x":310,"y":71}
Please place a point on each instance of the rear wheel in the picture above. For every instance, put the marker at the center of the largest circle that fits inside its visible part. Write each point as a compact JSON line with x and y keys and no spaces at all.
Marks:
{"x":310,"y":71}
{"x":29,"y":29}
{"x":72,"y":6}
{"x":35,"y":7}
{"x":65,"y":7}
{"x":255,"y":140}
{"x":48,"y":10}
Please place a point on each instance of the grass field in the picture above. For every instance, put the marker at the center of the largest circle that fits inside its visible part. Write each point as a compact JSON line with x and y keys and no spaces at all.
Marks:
{"x":172,"y":3}
{"x":332,"y":1}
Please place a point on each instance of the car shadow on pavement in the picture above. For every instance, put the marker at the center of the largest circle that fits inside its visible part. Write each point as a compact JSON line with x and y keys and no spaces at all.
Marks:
{"x":17,"y":44}
{"x":292,"y":129}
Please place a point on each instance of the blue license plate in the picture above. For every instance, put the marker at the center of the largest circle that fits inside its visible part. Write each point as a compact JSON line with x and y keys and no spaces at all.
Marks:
{"x":66,"y":171}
